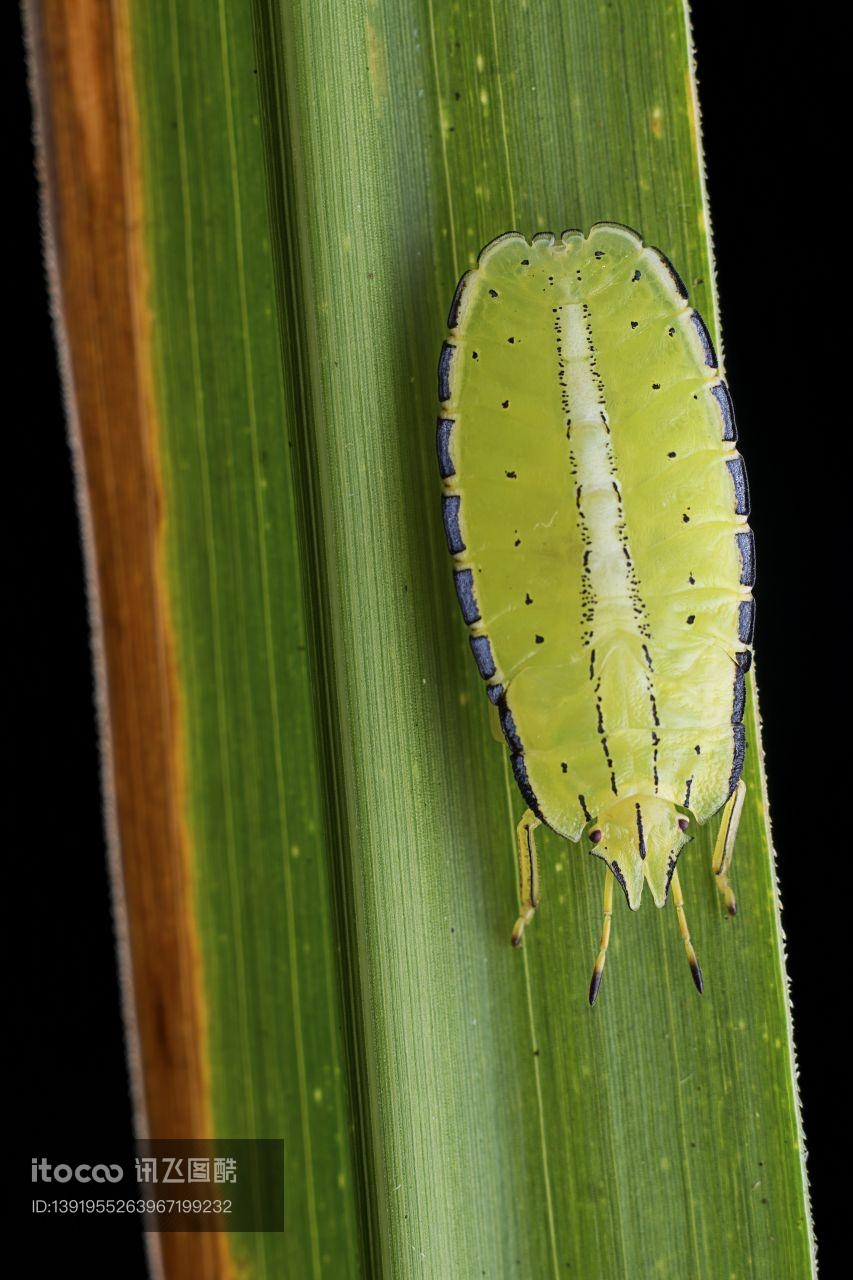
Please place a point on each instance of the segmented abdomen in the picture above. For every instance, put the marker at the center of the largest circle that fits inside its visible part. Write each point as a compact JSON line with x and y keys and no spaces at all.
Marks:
{"x":596,"y":507}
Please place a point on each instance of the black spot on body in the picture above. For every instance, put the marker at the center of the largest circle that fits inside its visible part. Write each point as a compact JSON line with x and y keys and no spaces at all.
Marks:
{"x":511,"y":475}
{"x":691,"y":618}
{"x":539,"y":639}
{"x":528,"y":599}
{"x":504,"y":404}
{"x":493,"y":293}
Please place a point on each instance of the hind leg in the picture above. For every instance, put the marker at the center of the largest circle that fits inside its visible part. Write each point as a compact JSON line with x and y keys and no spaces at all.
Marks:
{"x":528,"y":874}
{"x":725,"y":846}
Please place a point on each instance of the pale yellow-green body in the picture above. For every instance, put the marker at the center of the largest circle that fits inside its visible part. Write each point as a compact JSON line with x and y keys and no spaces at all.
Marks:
{"x":597,"y":516}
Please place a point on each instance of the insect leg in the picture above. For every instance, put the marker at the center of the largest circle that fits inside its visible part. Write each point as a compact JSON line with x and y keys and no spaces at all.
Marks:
{"x":605,"y":937}
{"x":528,"y":873}
{"x":685,"y":932}
{"x":725,"y":846}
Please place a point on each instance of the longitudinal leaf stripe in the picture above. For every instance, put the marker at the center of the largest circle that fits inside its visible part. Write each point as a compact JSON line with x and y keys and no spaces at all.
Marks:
{"x":596,"y":508}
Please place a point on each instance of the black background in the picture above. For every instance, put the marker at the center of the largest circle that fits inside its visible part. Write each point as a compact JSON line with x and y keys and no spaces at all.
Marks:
{"x":776,"y":227}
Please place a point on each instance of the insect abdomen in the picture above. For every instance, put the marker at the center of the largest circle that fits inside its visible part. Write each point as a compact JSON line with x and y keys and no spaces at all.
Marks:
{"x":596,"y":508}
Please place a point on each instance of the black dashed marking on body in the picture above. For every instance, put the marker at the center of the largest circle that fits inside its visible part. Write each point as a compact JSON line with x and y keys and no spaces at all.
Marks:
{"x":640,"y":834}
{"x":584,"y":810}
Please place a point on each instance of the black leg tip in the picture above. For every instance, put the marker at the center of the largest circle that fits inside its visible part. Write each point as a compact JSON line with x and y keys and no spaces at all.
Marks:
{"x":697,"y":976}
{"x":594,"y":986}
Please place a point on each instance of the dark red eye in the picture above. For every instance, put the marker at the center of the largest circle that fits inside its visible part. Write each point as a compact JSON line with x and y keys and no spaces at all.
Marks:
{"x":683,"y":824}
{"x":595,"y":835}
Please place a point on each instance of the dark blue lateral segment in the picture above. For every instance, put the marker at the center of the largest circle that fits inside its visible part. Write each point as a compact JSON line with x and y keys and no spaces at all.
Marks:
{"x":745,"y":621}
{"x":746,"y":547}
{"x":738,"y":474}
{"x":464,"y":580}
{"x":727,"y":411}
{"x":482,"y":649}
{"x":739,"y":734}
{"x":744,"y":659}
{"x":443,"y":431}
{"x":453,"y":313}
{"x":494,"y":693}
{"x":445,"y":360}
{"x":519,"y":770}
{"x":739,"y":704}
{"x":450,"y":510}
{"x":676,"y":278}
{"x":705,"y":338}
{"x":508,"y":727}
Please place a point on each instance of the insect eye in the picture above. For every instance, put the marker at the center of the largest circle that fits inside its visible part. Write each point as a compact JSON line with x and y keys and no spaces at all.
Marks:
{"x":595,"y":835}
{"x":683,"y":824}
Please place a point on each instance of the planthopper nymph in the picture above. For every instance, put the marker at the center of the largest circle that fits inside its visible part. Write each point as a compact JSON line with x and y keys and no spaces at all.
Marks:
{"x":595,"y":506}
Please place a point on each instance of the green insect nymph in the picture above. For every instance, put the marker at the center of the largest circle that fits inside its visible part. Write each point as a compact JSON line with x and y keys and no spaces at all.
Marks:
{"x":596,"y":509}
